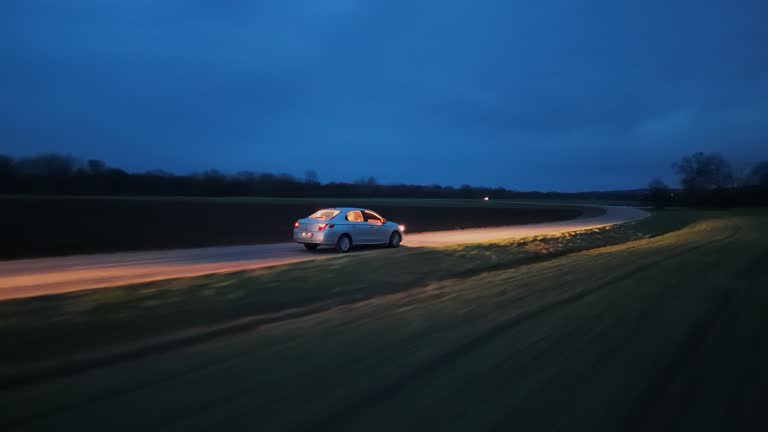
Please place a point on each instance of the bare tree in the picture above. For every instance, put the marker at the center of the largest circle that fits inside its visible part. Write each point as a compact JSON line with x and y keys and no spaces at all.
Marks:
{"x":6,"y":165}
{"x":213,"y":175}
{"x":758,"y":175}
{"x":658,"y":192}
{"x":369,"y":181}
{"x":311,"y":177}
{"x":702,"y":172}
{"x":158,"y":173}
{"x":96,"y":167}
{"x":50,"y":164}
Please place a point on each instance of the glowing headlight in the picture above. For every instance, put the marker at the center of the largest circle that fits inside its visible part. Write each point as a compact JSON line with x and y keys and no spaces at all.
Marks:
{"x":401,"y":227}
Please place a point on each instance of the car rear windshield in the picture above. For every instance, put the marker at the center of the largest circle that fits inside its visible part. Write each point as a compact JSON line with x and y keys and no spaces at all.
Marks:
{"x":325,"y":214}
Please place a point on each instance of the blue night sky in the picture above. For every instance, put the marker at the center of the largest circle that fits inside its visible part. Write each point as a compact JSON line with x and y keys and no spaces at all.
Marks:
{"x":548,"y":95}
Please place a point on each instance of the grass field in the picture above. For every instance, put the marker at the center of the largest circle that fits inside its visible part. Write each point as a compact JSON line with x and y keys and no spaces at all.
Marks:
{"x":46,"y":226}
{"x":655,"y":332}
{"x":62,"y":325}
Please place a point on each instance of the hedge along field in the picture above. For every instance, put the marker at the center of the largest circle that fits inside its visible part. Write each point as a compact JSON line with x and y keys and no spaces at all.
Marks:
{"x":37,"y":226}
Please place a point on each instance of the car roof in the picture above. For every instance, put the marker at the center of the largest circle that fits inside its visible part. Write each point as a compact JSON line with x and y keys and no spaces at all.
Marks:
{"x":348,"y":209}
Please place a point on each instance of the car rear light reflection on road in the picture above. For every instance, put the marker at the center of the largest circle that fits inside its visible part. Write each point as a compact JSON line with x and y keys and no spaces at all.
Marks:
{"x":322,"y":227}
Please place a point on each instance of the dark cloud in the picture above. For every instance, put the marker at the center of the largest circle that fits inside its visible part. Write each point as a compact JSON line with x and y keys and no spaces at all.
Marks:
{"x":552,"y":95}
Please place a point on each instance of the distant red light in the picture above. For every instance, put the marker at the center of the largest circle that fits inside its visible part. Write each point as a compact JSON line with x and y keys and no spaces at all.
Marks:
{"x":296,"y":225}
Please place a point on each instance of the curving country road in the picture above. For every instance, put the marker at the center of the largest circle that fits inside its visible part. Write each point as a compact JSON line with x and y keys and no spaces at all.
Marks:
{"x":35,"y":277}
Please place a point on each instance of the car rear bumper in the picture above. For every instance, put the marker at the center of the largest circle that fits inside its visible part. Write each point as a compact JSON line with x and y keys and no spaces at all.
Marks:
{"x":315,"y":237}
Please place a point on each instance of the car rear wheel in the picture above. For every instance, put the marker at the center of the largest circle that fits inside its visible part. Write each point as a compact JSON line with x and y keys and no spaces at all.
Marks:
{"x":394,"y":240}
{"x":344,"y":243}
{"x":311,"y":246}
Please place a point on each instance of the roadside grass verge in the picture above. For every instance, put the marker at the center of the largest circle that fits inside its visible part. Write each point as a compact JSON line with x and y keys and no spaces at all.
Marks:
{"x":58,"y":327}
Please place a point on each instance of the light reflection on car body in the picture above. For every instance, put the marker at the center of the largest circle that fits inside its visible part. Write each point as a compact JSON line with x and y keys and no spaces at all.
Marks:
{"x":344,"y":227}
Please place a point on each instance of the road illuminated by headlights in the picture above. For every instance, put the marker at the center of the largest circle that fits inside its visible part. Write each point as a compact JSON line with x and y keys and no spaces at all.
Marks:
{"x":28,"y":278}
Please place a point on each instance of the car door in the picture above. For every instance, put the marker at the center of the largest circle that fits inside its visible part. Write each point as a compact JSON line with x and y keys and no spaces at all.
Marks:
{"x":357,"y":227}
{"x":377,"y":232}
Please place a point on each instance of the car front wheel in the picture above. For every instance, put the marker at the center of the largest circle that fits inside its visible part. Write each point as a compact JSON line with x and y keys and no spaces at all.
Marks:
{"x":394,"y":240}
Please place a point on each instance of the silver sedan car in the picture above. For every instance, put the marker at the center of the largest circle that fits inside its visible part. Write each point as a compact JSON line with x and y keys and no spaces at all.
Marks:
{"x":346,"y":226}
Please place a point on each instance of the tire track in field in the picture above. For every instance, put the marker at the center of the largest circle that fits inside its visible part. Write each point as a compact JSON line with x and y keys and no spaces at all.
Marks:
{"x":240,"y":326}
{"x":22,"y":377}
{"x":428,"y":368}
{"x":656,"y":392}
{"x":649,"y":306}
{"x":421,"y":371}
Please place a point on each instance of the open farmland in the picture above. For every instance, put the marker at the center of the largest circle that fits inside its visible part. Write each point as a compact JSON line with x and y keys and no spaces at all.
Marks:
{"x":47,"y":226}
{"x":662,"y":329}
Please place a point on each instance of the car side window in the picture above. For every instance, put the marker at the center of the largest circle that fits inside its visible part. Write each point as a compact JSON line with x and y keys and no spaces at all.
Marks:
{"x":373,"y":218}
{"x":355,"y":216}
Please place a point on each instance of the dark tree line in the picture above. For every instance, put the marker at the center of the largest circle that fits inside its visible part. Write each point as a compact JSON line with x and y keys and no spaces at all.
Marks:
{"x":55,"y":174}
{"x":707,"y":179}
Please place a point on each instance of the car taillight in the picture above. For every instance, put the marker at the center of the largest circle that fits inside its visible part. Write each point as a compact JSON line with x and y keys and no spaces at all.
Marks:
{"x":296,"y":225}
{"x":322,"y":227}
